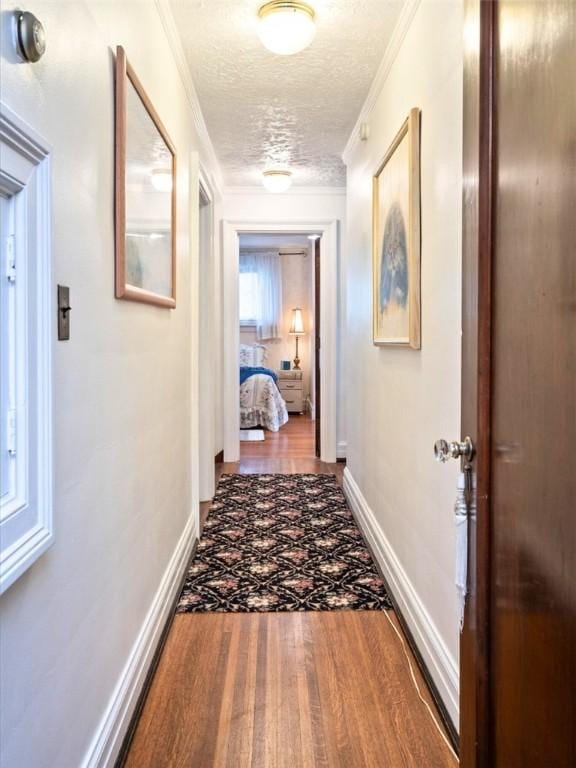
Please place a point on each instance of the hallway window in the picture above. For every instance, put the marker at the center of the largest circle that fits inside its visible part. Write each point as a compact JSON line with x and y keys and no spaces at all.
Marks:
{"x":25,"y":364}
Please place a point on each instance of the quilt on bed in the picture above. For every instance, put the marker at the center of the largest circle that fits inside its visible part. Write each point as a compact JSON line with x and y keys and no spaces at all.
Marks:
{"x":261,"y":403}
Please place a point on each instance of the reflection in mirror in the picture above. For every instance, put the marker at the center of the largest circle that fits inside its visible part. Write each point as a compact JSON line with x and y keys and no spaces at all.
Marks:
{"x":145,"y":248}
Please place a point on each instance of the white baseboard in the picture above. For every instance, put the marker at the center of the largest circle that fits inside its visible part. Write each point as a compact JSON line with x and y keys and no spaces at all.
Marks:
{"x":341,"y":447}
{"x":107,"y":741}
{"x":441,"y":664}
{"x":312,"y":407}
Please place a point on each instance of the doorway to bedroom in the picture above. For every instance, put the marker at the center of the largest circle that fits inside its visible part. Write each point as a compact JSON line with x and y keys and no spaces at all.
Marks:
{"x":278,"y":308}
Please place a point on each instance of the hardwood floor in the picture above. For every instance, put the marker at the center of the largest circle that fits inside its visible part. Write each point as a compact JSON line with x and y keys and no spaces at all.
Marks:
{"x":294,"y":690}
{"x":289,"y":690}
{"x":295,"y":440}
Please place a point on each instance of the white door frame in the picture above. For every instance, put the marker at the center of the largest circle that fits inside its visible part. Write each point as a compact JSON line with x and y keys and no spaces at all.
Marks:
{"x":206,"y":394}
{"x":329,"y":269}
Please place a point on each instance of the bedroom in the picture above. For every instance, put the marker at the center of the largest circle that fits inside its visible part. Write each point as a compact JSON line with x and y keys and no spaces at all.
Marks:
{"x":278,"y":402}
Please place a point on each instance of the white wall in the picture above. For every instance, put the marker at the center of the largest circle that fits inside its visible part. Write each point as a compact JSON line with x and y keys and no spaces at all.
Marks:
{"x":246,"y":204}
{"x":125,"y":430}
{"x":400,"y":401}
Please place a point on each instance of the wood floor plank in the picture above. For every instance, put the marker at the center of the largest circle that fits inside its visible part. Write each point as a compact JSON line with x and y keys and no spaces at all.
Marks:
{"x":285,"y":690}
{"x":295,"y":440}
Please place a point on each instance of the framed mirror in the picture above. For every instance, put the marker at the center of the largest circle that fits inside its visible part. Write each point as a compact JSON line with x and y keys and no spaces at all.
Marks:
{"x":145,"y":179}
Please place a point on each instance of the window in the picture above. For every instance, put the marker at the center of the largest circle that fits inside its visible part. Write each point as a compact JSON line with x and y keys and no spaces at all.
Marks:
{"x":260,"y":293}
{"x":25,"y":359}
{"x":12,"y":366}
{"x":249,"y":293}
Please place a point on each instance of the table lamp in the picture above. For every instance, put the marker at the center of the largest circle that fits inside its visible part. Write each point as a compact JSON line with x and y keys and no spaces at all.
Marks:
{"x":297,"y":330}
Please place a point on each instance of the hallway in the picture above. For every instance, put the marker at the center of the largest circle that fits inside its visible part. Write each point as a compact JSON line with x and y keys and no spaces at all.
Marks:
{"x":225,"y":216}
{"x":286,"y":690}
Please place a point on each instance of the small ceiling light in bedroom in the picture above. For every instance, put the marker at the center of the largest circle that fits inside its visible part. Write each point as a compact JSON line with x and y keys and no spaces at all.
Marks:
{"x":277,"y":181}
{"x":161,"y":179}
{"x":313,"y":237}
{"x":286,"y":26}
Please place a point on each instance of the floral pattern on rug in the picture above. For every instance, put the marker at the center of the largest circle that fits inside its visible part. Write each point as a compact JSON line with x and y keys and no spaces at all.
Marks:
{"x":281,"y":543}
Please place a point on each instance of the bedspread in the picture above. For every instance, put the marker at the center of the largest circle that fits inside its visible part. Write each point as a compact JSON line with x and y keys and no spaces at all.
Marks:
{"x":261,"y":404}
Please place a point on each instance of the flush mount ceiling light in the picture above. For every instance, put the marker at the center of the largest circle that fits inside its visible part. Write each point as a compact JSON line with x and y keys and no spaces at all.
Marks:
{"x":161,"y":179}
{"x":286,"y":26}
{"x":277,"y":181}
{"x":313,"y":237}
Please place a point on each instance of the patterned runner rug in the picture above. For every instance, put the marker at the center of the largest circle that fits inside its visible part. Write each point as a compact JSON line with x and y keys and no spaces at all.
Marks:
{"x":281,"y":543}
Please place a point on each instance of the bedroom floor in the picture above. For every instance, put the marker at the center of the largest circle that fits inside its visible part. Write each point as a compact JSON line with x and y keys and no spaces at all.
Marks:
{"x":295,"y":690}
{"x":295,"y":440}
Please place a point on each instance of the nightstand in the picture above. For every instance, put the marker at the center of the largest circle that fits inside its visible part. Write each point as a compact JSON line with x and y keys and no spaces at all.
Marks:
{"x":291,"y":389}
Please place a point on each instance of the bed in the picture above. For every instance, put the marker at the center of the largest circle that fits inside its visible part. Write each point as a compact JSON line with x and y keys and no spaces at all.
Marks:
{"x":261,"y":404}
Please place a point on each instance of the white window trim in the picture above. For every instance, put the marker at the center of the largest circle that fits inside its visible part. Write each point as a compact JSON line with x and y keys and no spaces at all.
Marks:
{"x":25,"y":158}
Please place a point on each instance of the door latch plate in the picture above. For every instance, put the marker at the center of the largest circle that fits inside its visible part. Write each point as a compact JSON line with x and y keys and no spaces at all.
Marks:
{"x":64,"y":309}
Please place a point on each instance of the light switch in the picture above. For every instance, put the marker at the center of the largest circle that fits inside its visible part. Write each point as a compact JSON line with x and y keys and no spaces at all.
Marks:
{"x":64,"y":309}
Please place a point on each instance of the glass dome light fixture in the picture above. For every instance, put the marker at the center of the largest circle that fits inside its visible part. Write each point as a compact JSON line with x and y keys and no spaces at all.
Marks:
{"x":161,"y":179}
{"x":286,"y":26}
{"x":277,"y":180}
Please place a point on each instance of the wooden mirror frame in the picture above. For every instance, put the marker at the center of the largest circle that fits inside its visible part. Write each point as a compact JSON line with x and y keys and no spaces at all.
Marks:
{"x":124,"y":290}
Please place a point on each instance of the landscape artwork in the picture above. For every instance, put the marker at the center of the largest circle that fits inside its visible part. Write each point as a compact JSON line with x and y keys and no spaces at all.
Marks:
{"x":396,"y":240}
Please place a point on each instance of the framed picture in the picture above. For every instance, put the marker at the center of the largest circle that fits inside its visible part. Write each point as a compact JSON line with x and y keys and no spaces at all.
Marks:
{"x":396,"y":240}
{"x":145,"y":179}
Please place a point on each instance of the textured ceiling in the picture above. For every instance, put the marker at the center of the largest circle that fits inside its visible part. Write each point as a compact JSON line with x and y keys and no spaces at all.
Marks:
{"x":299,"y":110}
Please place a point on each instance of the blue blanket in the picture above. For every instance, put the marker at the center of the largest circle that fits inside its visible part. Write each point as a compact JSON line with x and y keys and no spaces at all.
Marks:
{"x":247,"y":370}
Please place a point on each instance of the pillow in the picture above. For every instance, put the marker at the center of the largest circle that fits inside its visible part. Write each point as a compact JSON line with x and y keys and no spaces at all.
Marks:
{"x":246,"y":354}
{"x":260,"y":355}
{"x":253,"y":355}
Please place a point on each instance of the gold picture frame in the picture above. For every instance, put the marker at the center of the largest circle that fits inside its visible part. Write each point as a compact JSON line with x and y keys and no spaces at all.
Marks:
{"x":396,"y":240}
{"x":145,"y":196}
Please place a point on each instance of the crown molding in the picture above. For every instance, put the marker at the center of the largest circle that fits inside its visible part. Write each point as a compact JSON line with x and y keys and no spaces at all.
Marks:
{"x":259,"y":190}
{"x":175,"y":42}
{"x":397,"y":38}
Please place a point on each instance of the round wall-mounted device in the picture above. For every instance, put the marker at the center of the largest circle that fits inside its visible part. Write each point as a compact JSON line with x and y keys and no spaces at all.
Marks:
{"x":31,"y":37}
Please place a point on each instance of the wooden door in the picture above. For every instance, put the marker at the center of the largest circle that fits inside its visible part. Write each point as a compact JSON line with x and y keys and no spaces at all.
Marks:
{"x":318,"y":372}
{"x":518,"y":649}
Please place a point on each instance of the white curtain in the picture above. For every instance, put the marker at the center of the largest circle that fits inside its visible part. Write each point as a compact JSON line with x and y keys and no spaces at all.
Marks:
{"x":268,"y":309}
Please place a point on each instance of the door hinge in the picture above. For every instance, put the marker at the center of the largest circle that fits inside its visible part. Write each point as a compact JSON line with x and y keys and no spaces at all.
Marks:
{"x":11,"y":432}
{"x":10,"y":259}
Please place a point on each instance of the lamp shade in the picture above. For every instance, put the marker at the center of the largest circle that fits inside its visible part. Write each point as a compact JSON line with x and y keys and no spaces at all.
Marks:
{"x":297,"y":325}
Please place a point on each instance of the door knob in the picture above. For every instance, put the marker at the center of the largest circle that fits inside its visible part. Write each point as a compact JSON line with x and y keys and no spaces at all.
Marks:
{"x":443,"y":450}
